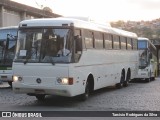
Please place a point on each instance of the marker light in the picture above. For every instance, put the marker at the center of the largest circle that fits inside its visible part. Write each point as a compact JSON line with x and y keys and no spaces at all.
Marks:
{"x":65,"y":81}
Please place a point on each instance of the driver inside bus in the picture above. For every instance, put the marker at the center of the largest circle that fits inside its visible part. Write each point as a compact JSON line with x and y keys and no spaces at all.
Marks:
{"x":63,"y":51}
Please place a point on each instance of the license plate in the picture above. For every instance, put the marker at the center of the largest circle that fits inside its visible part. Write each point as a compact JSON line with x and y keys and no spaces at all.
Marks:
{"x":4,"y":77}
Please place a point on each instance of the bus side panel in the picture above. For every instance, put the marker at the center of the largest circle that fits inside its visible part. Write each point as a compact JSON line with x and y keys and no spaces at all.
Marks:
{"x":105,"y":66}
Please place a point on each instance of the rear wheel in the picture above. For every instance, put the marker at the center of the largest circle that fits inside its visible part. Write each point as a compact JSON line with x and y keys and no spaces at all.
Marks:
{"x":125,"y":84}
{"x":119,"y":85}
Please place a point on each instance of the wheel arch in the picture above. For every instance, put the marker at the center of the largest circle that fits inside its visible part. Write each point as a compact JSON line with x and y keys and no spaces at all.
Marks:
{"x":90,"y":80}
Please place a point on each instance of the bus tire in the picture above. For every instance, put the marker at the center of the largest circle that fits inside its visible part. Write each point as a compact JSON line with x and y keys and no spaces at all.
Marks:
{"x":153,"y":78}
{"x":120,"y":85}
{"x":10,"y":83}
{"x":85,"y":95}
{"x":40,"y":97}
{"x":125,"y":84}
{"x":148,"y":80}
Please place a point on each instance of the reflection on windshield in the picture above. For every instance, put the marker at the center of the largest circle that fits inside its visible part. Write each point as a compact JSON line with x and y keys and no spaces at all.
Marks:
{"x":7,"y":48}
{"x":44,"y":45}
{"x":143,"y":61}
{"x":142,"y":44}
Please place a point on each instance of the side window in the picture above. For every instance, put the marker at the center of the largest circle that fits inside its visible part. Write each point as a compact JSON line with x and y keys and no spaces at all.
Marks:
{"x":123,"y":43}
{"x":116,"y":44}
{"x":129,"y":43}
{"x":98,"y":40}
{"x":88,"y":39}
{"x":78,"y":42}
{"x":108,"y":41}
{"x":134,"y":44}
{"x":77,"y":32}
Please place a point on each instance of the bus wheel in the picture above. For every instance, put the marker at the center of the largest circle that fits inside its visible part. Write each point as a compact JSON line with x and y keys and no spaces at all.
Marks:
{"x":153,"y":78}
{"x":40,"y":97}
{"x":119,"y":85}
{"x":85,"y":96}
{"x":10,"y":83}
{"x":125,"y":84}
{"x":148,"y":80}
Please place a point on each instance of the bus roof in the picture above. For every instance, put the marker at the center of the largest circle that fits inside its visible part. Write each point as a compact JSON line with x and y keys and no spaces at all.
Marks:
{"x":143,"y":38}
{"x":9,"y":27}
{"x":48,"y":22}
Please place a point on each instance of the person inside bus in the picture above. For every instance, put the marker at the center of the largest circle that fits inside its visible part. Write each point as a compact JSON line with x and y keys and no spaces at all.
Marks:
{"x":50,"y":51}
{"x":63,"y":51}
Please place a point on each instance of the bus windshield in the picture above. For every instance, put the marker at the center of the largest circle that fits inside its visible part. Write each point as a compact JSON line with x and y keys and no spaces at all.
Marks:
{"x":142,"y":44}
{"x":143,"y":59}
{"x":7,"y":46}
{"x":44,"y":45}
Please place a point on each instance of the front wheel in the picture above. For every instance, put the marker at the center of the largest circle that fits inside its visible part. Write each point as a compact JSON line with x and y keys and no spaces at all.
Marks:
{"x":85,"y":95}
{"x":148,"y":80}
{"x":10,"y":83}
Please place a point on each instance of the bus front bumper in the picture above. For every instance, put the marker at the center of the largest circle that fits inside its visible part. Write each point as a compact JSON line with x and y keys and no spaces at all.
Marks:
{"x":6,"y":77}
{"x":61,"y":90}
{"x":142,"y":74}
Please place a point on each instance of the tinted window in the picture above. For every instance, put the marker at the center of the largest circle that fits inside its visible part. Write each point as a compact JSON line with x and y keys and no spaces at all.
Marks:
{"x":98,"y":40}
{"x":129,"y":43}
{"x":108,"y":41}
{"x":116,"y":44}
{"x":123,"y":42}
{"x":88,"y":39}
{"x":142,"y":44}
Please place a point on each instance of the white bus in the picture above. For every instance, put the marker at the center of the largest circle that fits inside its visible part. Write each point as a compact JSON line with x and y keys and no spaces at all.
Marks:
{"x":7,"y":52}
{"x":99,"y":56}
{"x":147,"y":60}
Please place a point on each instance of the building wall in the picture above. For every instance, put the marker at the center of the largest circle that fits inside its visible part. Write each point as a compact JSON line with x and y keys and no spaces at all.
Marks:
{"x":11,"y":13}
{"x":11,"y":18}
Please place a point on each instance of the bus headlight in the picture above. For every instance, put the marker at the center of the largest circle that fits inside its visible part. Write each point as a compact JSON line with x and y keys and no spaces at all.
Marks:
{"x":17,"y":78}
{"x":65,"y":81}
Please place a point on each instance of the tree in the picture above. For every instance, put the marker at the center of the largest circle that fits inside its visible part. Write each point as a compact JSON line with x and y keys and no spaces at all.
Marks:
{"x":158,"y":33}
{"x":47,"y":9}
{"x":147,"y":32}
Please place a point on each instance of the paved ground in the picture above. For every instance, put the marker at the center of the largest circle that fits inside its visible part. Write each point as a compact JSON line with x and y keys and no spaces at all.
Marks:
{"x":138,"y":96}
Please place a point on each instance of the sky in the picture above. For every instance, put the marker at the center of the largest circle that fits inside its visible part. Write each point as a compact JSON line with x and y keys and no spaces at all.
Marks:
{"x":108,"y":10}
